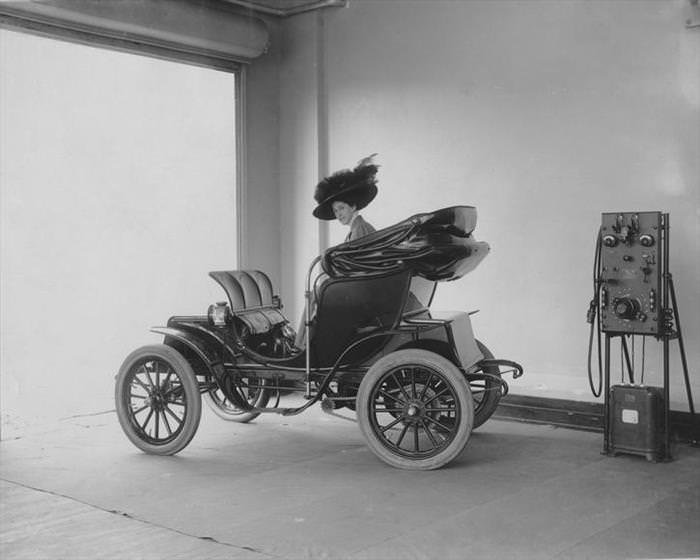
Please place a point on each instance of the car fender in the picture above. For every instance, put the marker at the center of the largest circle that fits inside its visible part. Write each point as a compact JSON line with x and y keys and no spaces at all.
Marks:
{"x":450,"y":334}
{"x":194,"y":342}
{"x":436,"y":345}
{"x":462,"y":334}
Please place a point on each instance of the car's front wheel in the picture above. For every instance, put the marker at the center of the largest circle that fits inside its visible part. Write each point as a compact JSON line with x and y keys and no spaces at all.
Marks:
{"x":157,"y":400}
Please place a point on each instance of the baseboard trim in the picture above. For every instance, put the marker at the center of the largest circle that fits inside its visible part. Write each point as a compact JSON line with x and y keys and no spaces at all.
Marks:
{"x":580,"y":415}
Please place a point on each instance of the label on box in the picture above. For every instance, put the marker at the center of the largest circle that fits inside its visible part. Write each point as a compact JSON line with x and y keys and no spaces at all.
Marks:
{"x":630,"y":416}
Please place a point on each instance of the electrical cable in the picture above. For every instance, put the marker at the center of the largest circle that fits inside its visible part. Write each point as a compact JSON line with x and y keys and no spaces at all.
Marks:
{"x":590,"y":375}
{"x":593,"y":312}
{"x":626,"y":354}
{"x":622,"y":361}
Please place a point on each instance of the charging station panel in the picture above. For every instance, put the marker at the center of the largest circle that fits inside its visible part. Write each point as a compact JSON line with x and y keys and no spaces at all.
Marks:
{"x":631,"y":262}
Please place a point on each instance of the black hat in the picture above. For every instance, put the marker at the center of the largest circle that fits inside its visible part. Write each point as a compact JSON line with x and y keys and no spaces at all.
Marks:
{"x":357,"y":187}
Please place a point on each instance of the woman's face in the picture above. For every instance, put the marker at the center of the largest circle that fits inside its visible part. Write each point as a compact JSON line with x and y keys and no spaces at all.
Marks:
{"x":343,"y":211}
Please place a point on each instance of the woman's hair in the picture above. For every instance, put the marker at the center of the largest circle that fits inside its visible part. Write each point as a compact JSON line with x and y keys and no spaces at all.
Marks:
{"x":349,"y":200}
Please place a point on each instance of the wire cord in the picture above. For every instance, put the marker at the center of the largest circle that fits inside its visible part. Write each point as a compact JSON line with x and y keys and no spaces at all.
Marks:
{"x":594,"y":320}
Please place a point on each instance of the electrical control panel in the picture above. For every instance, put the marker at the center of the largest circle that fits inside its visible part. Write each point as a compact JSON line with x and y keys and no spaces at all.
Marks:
{"x":631,"y":264}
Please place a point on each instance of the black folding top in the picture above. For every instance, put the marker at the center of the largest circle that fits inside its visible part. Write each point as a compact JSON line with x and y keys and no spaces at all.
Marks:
{"x":436,"y":245}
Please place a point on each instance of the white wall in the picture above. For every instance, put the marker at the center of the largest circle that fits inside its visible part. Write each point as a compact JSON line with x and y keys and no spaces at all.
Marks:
{"x":299,"y":152}
{"x":118,"y":196}
{"x":541,"y":114}
{"x":261,"y":191}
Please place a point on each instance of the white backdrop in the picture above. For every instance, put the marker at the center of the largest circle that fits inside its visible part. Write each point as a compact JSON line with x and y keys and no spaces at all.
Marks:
{"x":118,"y":196}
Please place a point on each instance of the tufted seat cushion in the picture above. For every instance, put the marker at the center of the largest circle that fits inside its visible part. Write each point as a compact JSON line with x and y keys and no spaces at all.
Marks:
{"x":251,"y":298}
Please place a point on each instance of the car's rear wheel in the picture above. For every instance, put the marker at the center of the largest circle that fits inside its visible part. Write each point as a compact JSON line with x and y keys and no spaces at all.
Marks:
{"x":253,"y":390}
{"x":157,"y":400}
{"x":415,"y":409}
{"x":486,"y":391}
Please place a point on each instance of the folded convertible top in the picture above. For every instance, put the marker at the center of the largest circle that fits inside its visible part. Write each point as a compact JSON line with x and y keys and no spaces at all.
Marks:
{"x":435,"y":245}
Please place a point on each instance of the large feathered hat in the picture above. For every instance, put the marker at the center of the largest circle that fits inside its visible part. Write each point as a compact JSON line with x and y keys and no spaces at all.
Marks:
{"x":355,"y":186}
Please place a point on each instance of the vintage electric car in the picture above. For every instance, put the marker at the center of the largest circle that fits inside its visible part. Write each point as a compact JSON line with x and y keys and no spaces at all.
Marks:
{"x":417,"y":380}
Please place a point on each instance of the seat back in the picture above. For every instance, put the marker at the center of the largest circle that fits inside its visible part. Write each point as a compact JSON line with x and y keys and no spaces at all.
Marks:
{"x":251,"y":298}
{"x":353,"y":307}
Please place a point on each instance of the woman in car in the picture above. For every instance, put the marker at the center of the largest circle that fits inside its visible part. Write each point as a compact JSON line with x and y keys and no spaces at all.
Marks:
{"x":342,"y":195}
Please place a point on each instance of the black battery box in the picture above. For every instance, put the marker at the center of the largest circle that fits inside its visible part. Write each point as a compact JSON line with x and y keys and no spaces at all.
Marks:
{"x":636,"y":423}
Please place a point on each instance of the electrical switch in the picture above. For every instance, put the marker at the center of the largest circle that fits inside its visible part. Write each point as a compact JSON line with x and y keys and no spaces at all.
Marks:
{"x":609,"y":240}
{"x":646,"y":240}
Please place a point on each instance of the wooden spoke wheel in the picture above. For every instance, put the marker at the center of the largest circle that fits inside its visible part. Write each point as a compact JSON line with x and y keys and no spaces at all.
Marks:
{"x":486,"y":391}
{"x":253,"y":390}
{"x":415,"y":409}
{"x":157,"y":400}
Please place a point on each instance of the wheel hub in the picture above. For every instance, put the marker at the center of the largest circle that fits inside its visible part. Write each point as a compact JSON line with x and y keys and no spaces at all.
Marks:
{"x":413,"y":410}
{"x":156,"y":399}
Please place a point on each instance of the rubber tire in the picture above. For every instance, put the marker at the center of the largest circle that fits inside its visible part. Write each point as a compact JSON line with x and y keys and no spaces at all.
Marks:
{"x":242,"y":417}
{"x":193,"y":400}
{"x":438,"y":364}
{"x":485,"y":409}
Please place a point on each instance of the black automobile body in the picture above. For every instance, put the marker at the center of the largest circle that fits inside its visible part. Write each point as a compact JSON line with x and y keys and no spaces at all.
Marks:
{"x":418,"y":380}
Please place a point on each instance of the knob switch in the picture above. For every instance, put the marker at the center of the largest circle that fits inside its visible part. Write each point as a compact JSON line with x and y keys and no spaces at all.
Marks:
{"x":646,"y":240}
{"x":609,"y":240}
{"x":627,"y":308}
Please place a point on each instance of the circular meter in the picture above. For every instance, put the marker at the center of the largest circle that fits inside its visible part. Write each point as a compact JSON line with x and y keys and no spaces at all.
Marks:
{"x":627,"y":308}
{"x":646,"y":240}
{"x":609,"y":240}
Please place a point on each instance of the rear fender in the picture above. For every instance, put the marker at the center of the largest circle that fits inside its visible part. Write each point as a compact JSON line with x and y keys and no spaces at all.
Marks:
{"x":450,"y":334}
{"x":441,"y":347}
{"x":461,"y":337}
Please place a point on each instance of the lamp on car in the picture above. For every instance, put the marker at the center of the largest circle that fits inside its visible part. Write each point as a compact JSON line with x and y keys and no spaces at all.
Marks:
{"x":219,"y":314}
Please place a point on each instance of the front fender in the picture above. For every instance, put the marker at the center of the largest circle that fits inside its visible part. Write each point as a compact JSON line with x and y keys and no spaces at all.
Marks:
{"x":210,"y":352}
{"x":209,"y":357}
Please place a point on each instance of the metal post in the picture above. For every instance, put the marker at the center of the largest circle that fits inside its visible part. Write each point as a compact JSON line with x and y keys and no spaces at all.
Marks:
{"x":307,"y":326}
{"x":606,"y":398}
{"x":681,"y":346}
{"x":666,"y":336}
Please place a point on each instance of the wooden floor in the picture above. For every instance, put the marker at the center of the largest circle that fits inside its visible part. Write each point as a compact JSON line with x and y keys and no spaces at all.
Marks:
{"x":307,"y":487}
